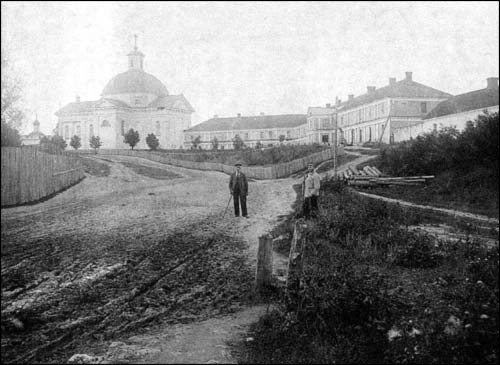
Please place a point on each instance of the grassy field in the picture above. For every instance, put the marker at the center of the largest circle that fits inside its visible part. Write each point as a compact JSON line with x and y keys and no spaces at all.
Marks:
{"x":377,"y":290}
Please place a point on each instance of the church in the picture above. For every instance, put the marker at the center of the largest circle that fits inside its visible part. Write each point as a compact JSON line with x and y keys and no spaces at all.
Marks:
{"x":132,"y":99}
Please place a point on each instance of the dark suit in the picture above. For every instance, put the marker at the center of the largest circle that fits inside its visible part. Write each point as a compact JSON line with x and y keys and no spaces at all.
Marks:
{"x":238,"y":186}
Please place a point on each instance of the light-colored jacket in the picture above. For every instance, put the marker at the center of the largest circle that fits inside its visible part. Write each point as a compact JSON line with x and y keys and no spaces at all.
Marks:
{"x":311,"y":184}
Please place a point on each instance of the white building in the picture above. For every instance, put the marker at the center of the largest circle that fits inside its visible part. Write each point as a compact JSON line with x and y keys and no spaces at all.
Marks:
{"x":34,"y":137}
{"x":132,"y":99}
{"x":454,"y":112}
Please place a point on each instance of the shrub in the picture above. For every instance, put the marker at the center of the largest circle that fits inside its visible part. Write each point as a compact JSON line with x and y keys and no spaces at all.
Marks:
{"x":75,"y":142}
{"x":152,"y":141}
{"x":10,"y":136}
{"x":95,"y":143}
{"x":131,"y":138}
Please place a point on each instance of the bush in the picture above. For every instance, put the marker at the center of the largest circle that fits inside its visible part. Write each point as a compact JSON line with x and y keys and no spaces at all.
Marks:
{"x":75,"y":142}
{"x":131,"y":138}
{"x":10,"y":136}
{"x":152,"y":141}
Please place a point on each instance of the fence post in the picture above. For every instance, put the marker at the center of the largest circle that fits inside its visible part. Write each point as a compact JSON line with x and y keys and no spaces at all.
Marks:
{"x":264,"y":273}
{"x":295,"y":265}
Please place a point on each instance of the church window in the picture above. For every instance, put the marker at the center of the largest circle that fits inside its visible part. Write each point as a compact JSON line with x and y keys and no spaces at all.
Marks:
{"x":78,"y":130}
{"x":105,"y":123}
{"x":66,"y":132}
{"x":91,"y":130}
{"x":158,"y":128}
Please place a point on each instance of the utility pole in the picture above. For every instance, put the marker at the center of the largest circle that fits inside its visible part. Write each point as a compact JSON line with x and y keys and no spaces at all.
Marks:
{"x":333,"y":121}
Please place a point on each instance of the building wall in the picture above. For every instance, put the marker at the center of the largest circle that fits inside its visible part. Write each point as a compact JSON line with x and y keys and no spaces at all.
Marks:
{"x":371,"y":122}
{"x":457,"y":120}
{"x":111,"y":124}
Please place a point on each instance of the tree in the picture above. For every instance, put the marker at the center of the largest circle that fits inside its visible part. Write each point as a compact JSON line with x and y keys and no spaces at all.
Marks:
{"x":259,"y":145}
{"x":76,"y":142}
{"x":95,"y":143}
{"x":238,"y":143}
{"x":152,"y":141}
{"x":195,"y":142}
{"x":132,"y":137}
{"x":282,"y":138}
{"x":215,"y":144}
{"x":12,"y":113}
{"x":10,"y":136}
{"x":53,"y":144}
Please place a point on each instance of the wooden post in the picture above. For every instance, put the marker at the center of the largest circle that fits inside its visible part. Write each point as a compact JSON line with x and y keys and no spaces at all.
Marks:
{"x":295,"y":264}
{"x":264,"y":273}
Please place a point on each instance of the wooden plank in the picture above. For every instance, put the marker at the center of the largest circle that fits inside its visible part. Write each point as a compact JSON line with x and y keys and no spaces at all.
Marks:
{"x":264,"y":272}
{"x":295,"y":265}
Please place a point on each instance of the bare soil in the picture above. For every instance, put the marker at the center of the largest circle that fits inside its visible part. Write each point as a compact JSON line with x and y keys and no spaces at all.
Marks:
{"x":125,"y":253}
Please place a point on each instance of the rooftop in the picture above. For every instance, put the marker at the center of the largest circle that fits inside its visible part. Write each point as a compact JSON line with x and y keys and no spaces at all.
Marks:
{"x":252,"y":122}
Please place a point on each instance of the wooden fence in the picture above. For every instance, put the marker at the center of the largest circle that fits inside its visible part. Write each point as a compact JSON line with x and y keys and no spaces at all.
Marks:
{"x":29,"y":175}
{"x":256,"y":172}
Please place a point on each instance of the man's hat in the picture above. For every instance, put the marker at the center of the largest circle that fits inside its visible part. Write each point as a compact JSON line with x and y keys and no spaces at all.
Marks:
{"x":310,"y":164}
{"x":237,"y":164}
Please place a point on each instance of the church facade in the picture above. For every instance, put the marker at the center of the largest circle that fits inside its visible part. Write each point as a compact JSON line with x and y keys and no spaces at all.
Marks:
{"x":132,"y":99}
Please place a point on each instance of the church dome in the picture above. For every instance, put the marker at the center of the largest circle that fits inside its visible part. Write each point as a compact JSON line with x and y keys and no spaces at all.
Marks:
{"x":135,"y":81}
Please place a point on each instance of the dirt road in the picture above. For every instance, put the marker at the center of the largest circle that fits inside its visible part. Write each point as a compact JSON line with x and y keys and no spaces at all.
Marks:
{"x":79,"y":243}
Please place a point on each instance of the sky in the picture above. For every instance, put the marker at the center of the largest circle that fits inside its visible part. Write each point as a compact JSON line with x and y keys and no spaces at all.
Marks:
{"x":246,"y":57}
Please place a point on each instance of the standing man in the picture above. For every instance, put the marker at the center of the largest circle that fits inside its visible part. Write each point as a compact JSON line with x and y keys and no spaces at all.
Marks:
{"x":238,"y":186}
{"x":310,"y":191}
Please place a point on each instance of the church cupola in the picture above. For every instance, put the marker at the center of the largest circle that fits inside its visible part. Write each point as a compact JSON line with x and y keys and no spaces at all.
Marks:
{"x":36,"y":126}
{"x":135,"y":58}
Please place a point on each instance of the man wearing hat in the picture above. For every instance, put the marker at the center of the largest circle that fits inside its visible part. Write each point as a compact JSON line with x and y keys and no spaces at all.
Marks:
{"x":238,"y":186}
{"x":310,"y":191}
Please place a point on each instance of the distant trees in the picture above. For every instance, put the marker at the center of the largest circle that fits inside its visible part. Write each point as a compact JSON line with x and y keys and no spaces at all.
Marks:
{"x":282,"y":138}
{"x":10,"y":135}
{"x":259,"y":145}
{"x":195,"y":143}
{"x":131,"y":138}
{"x":53,"y":144}
{"x":12,"y":113}
{"x":152,"y":141}
{"x":238,"y":143}
{"x":215,"y":144}
{"x":95,"y":143}
{"x":76,"y":142}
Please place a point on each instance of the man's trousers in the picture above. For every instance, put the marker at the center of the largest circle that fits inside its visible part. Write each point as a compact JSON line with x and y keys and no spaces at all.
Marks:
{"x":237,"y":199}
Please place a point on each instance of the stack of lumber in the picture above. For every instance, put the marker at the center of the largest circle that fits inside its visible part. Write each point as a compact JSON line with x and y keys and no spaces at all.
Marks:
{"x":371,"y":176}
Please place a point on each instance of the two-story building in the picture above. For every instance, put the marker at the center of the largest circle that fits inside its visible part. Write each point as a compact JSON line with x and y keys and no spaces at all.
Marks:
{"x":373,"y":116}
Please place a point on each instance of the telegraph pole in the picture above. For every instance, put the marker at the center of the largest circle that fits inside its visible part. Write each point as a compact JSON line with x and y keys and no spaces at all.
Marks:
{"x":334,"y":119}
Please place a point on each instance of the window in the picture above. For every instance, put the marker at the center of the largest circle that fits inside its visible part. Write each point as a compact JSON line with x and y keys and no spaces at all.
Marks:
{"x":423,"y":107}
{"x":369,"y":134}
{"x":382,"y":108}
{"x":360,"y":135}
{"x":288,"y":134}
{"x":105,"y":123}
{"x":270,"y":134}
{"x":359,"y":115}
{"x":324,"y":138}
{"x":78,"y":130}
{"x":325,"y":123}
{"x":91,"y":130}
{"x":261,"y":135}
{"x":246,"y":136}
{"x":66,"y":132}
{"x":123,"y":127}
{"x":158,"y":128}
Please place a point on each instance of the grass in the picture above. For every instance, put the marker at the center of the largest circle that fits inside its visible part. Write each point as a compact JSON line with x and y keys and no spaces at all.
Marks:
{"x":152,"y":172}
{"x":95,"y":168}
{"x":375,"y":292}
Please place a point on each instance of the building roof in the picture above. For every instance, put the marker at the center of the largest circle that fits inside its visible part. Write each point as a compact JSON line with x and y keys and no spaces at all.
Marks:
{"x":318,"y":110}
{"x":170,"y":102}
{"x":469,"y":101}
{"x":33,"y":135}
{"x":134,"y":81}
{"x":87,"y":106}
{"x":254,"y":122}
{"x":405,"y":88}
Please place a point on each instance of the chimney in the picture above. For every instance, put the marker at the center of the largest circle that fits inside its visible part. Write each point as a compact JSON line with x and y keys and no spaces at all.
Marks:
{"x":408,"y":76}
{"x":492,"y":83}
{"x":77,"y":98}
{"x":239,"y":115}
{"x":370,"y":89}
{"x":350,"y":96}
{"x":216,"y":116}
{"x":328,"y":105}
{"x":392,"y":80}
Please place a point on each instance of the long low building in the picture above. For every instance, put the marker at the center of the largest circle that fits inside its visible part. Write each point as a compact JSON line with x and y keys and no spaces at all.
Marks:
{"x":268,"y":130}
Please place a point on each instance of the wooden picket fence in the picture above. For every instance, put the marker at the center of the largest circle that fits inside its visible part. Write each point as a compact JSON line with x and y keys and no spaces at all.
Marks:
{"x":29,"y":175}
{"x":256,"y":172}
